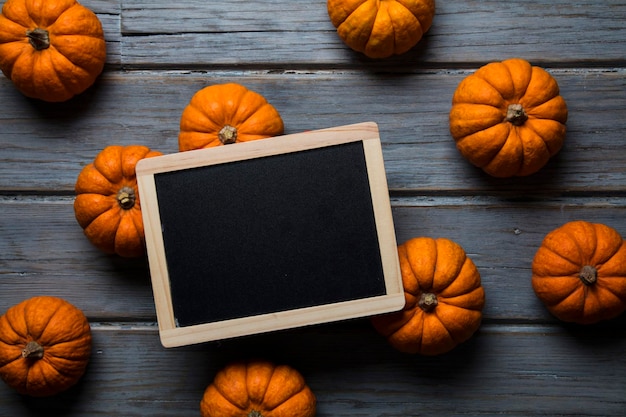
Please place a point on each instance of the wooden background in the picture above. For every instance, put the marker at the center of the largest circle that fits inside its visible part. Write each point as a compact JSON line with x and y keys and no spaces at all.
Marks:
{"x":521,"y":362}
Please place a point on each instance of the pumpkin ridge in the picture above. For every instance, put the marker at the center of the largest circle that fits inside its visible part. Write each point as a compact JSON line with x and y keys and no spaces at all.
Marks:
{"x":15,"y":331}
{"x":226,"y":397}
{"x":583,"y":257}
{"x":495,"y":87}
{"x":73,"y":62}
{"x":30,"y":332}
{"x":460,"y":338}
{"x":602,"y":284}
{"x":40,"y":338}
{"x":573,"y":262}
{"x":519,"y":94}
{"x":58,"y":69}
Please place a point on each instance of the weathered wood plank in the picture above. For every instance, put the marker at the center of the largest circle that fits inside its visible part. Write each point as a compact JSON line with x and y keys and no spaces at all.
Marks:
{"x":109,"y":13}
{"x":55,"y":141}
{"x":521,"y":362}
{"x":43,"y":250}
{"x":284,"y":33}
{"x":353,"y":372}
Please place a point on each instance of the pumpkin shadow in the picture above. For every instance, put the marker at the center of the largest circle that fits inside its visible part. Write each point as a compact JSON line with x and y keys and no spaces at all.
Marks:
{"x":548,"y":178}
{"x":346,"y":349}
{"x":605,"y":334}
{"x":59,"y":405}
{"x":64,"y":112}
{"x":415,"y":58}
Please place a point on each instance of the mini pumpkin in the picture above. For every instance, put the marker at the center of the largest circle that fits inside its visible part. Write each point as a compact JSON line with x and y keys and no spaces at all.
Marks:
{"x":222,"y":114}
{"x":381,"y":28}
{"x":258,"y":388}
{"x":444,"y":298}
{"x":45,"y":346}
{"x":107,"y":204}
{"x":51,"y":50}
{"x":508,"y":118}
{"x":579,"y":272}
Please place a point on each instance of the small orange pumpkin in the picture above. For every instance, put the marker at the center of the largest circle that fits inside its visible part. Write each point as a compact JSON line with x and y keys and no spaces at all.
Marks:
{"x":579,"y":272}
{"x":381,"y":28}
{"x":107,"y":203}
{"x":222,"y":114}
{"x":444,"y":298}
{"x":45,"y":346}
{"x":508,"y":118}
{"x":258,"y":389}
{"x":51,"y":50}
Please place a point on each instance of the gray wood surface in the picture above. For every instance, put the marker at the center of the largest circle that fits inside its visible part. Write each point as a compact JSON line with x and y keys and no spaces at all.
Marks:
{"x":521,"y":362}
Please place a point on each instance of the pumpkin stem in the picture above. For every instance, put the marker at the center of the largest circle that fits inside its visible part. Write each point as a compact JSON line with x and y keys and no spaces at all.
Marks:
{"x":126,"y":198}
{"x":428,"y":301}
{"x":33,"y":350}
{"x":228,"y":135}
{"x":588,"y":275}
{"x":39,"y":38}
{"x":255,"y":413}
{"x":516,"y":115}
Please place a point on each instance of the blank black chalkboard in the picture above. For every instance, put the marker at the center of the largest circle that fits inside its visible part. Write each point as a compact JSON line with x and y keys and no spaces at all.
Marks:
{"x":269,"y":234}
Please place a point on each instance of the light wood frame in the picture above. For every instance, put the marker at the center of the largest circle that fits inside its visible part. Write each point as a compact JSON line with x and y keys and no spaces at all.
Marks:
{"x":171,"y":335}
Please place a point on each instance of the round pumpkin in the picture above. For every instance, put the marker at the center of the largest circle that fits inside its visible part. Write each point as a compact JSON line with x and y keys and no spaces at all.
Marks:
{"x":443,"y":295}
{"x":45,"y":346}
{"x":51,"y":50}
{"x":579,"y":272}
{"x":381,"y":28}
{"x":258,"y":389}
{"x":508,"y":118}
{"x":107,"y":203}
{"x":222,"y":114}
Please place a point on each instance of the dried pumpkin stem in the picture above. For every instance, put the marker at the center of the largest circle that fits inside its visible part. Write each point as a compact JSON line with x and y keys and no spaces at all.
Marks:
{"x":228,"y":135}
{"x":255,"y":413}
{"x":428,"y":301}
{"x":516,"y":115}
{"x":39,"y":38}
{"x":588,"y":275}
{"x":126,"y":198}
{"x":33,"y":350}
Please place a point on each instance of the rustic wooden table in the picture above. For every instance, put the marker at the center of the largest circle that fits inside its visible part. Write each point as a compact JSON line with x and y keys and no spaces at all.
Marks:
{"x":521,"y":362}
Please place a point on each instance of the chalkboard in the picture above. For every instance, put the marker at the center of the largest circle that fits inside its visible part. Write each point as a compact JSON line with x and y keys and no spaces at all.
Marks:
{"x":270,"y":234}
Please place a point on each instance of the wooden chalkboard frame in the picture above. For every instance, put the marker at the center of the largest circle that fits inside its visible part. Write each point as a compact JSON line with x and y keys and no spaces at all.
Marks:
{"x":171,"y":333}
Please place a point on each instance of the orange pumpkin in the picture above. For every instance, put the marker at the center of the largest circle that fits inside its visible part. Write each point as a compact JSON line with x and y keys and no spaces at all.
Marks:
{"x":508,"y":118}
{"x":258,"y":389}
{"x":222,"y":114}
{"x":579,"y":272}
{"x":444,"y":298}
{"x":45,"y":346}
{"x":107,"y":204}
{"x":381,"y":28}
{"x":51,"y":50}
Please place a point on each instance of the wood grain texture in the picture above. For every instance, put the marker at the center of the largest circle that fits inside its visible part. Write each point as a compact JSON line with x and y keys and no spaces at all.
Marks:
{"x":44,"y":251}
{"x":353,"y":372}
{"x":250,"y":34}
{"x":411,"y":111}
{"x":521,"y":362}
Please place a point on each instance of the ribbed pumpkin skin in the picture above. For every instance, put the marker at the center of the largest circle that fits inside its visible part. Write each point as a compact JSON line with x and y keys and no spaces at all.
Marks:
{"x":221,"y":114}
{"x":579,"y":272}
{"x":258,"y":389}
{"x":381,"y":28}
{"x":508,"y":118}
{"x":107,"y":204}
{"x":75,"y":57}
{"x":440,"y":268}
{"x":60,"y":329}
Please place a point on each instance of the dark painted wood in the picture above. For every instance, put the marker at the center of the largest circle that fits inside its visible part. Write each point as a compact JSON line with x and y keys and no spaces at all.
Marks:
{"x":411,"y":110}
{"x":353,"y":372}
{"x":521,"y":362}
